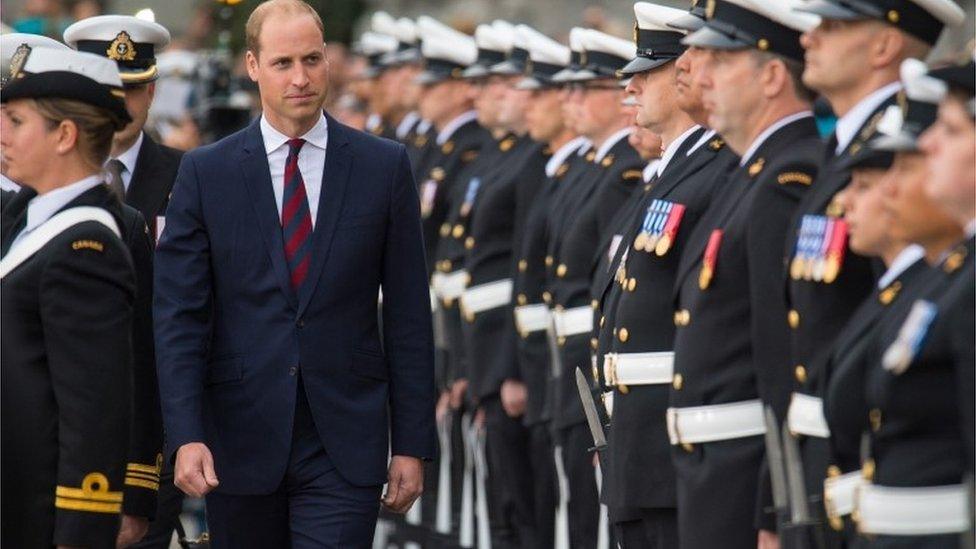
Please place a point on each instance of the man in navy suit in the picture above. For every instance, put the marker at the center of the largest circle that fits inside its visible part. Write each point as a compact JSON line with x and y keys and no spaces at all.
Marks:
{"x":273,"y":374}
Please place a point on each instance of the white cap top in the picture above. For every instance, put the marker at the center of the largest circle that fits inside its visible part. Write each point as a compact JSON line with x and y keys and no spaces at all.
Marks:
{"x":428,"y":26}
{"x":383,"y":23}
{"x":524,"y":35}
{"x":100,"y":69}
{"x":107,"y":28}
{"x":406,"y":30}
{"x":10,"y":42}
{"x":656,"y":17}
{"x":457,"y":49}
{"x":543,"y":49}
{"x":177,"y":63}
{"x":374,"y":43}
{"x":494,"y":37}
{"x":946,"y":11}
{"x":595,"y":40}
{"x":576,"y":38}
{"x":783,"y":12}
{"x":918,"y":85}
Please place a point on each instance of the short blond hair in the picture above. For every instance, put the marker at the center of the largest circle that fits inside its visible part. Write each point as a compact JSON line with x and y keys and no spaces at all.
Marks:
{"x":252,"y":30}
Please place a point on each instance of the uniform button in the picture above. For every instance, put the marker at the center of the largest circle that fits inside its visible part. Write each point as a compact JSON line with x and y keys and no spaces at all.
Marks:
{"x":458,"y":231}
{"x":800,"y":373}
{"x":293,"y":370}
{"x":561,"y":341}
{"x":678,"y":382}
{"x":469,"y":243}
{"x":603,"y":320}
{"x":523,"y":265}
{"x":447,"y":265}
{"x":445,"y":229}
{"x":682,"y":317}
{"x":688,"y":447}
{"x":595,"y":304}
{"x":794,"y":319}
{"x":867,"y":470}
{"x":624,"y":335}
{"x":631,"y":284}
{"x":874,"y":417}
{"x":467,"y":278}
{"x":522,"y":299}
{"x":561,"y":270}
{"x":594,"y":343}
{"x":549,"y":261}
{"x":547,"y":297}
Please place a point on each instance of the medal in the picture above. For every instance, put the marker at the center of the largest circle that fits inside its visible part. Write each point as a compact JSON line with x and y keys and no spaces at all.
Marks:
{"x":911,"y":336}
{"x":469,"y":196}
{"x":670,"y":230}
{"x":663,"y":208}
{"x":835,"y":251}
{"x":798,"y":265}
{"x":641,"y":241}
{"x":709,"y":259}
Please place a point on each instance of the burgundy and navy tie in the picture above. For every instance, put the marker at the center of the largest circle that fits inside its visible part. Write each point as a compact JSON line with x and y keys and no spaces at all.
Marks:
{"x":296,"y":218}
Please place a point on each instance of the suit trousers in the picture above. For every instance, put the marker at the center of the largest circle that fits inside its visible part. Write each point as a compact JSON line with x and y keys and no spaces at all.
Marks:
{"x":314,"y":506}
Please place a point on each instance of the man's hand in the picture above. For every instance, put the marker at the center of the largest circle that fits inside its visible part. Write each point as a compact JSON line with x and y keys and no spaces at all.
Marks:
{"x":514,"y":396}
{"x":406,"y":483}
{"x":767,"y":540}
{"x":194,"y":471}
{"x":458,"y":388}
{"x":132,"y":530}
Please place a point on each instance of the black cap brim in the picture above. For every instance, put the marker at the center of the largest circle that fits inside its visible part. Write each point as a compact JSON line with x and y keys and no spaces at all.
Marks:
{"x":69,"y":85}
{"x":829,"y":10}
{"x":707,"y":37}
{"x":687,"y":22}
{"x":958,"y":76}
{"x":638,"y":65}
{"x":867,"y":159}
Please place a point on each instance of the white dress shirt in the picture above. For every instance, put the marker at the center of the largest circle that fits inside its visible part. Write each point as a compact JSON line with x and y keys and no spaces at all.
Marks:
{"x":672,"y":149}
{"x":746,"y":157}
{"x":43,"y":206}
{"x":905,"y":259}
{"x":701,"y":141}
{"x":453,"y":126}
{"x":611,"y":141}
{"x":405,"y":125}
{"x":7,"y":184}
{"x":852,"y":121}
{"x":128,"y":159}
{"x":562,"y":153}
{"x":311,"y":161}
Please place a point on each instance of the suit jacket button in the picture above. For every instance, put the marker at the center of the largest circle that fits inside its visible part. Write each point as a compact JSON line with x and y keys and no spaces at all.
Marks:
{"x":301,"y":323}
{"x":293,"y":370}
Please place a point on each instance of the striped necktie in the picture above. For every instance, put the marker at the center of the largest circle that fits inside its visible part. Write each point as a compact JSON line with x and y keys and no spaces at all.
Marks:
{"x":296,"y":218}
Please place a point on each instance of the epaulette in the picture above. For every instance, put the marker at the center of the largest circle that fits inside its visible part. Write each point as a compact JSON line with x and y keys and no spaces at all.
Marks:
{"x":794,"y":177}
{"x":633,"y":174}
{"x":468,"y":156}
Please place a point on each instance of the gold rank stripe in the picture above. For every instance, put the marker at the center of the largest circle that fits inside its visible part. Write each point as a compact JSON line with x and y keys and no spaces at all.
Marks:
{"x":78,"y":493}
{"x":89,"y":506}
{"x":142,"y":468}
{"x":142,"y":483}
{"x":146,"y":476}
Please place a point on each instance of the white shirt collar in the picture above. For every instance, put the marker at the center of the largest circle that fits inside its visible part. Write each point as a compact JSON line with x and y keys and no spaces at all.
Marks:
{"x":701,"y":141}
{"x":851,"y":122}
{"x":562,"y":153}
{"x":651,"y":169}
{"x":905,"y":259}
{"x":585,"y":147}
{"x":423,"y":126}
{"x":372,"y":121}
{"x":673,"y":147}
{"x":128,"y":158}
{"x":453,"y":125}
{"x":746,"y":157}
{"x":8,"y":184}
{"x":409,"y":119}
{"x":611,"y":141}
{"x":43,"y":206}
{"x":273,"y":139}
{"x":971,"y":228}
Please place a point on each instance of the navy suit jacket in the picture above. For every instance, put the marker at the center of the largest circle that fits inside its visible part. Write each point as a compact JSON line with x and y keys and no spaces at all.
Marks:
{"x":232,"y":337}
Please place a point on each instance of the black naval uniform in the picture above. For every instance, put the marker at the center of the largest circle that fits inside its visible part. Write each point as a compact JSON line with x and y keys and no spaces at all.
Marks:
{"x":532,"y":349}
{"x":152,"y":181}
{"x":818,"y":310}
{"x":920,"y":406}
{"x":730,"y":345}
{"x":589,"y":211}
{"x":498,"y":213}
{"x":67,"y":312}
{"x":640,"y":480}
{"x":853,"y":353}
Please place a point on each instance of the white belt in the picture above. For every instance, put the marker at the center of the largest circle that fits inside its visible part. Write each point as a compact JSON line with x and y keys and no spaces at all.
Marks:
{"x":717,"y":422}
{"x":912,"y":511}
{"x":449,"y":286}
{"x":806,"y":417}
{"x":575,"y":321}
{"x":638,"y":368}
{"x":531,"y":318}
{"x":484,"y":297}
{"x":839,"y":493}
{"x":608,"y":402}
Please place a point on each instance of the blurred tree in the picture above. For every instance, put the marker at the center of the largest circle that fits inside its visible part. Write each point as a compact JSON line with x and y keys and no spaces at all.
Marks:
{"x":339,"y":16}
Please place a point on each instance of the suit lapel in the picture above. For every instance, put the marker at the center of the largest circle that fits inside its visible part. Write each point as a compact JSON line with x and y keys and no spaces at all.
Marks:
{"x":257,"y":180}
{"x":335,"y":179}
{"x":142,"y":186}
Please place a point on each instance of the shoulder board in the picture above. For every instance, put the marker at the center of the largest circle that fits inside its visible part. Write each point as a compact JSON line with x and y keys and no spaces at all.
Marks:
{"x":468,"y":156}
{"x":607,"y":161}
{"x":633,"y":174}
{"x":794,"y":177}
{"x":88,"y":245}
{"x":716,"y":144}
